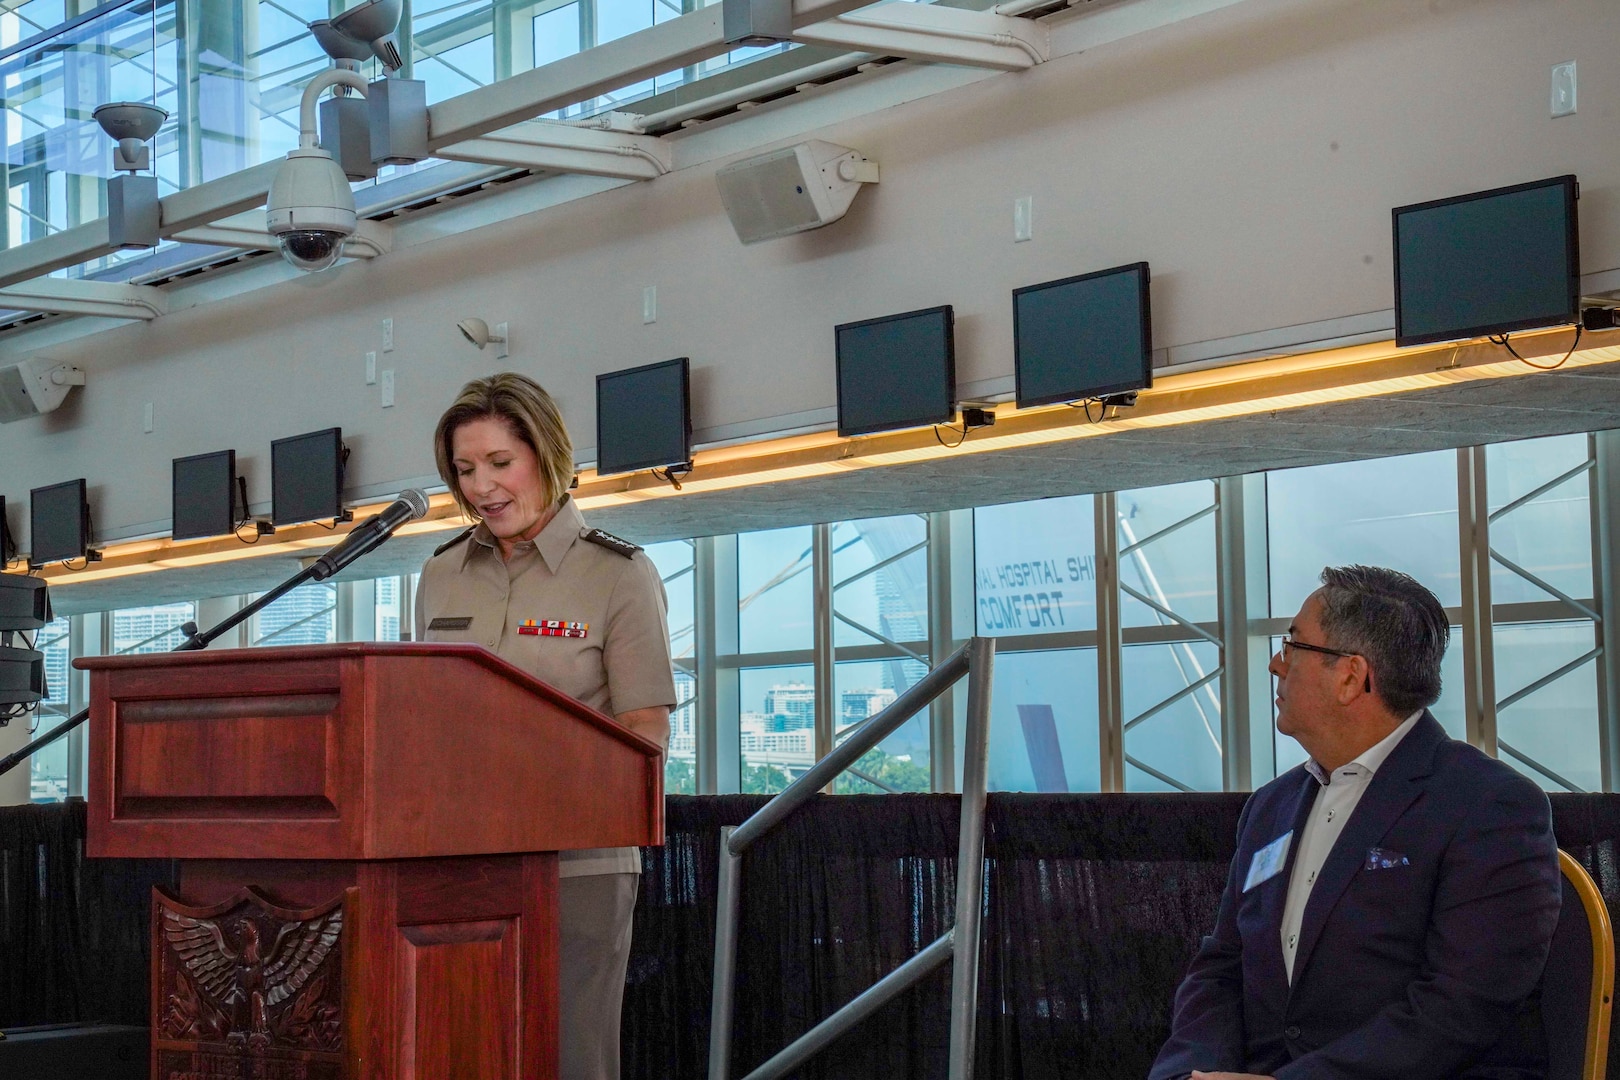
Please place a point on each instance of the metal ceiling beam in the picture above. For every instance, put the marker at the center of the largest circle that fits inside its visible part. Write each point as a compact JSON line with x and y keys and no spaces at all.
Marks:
{"x":657,"y":50}
{"x":66,"y":296}
{"x":937,"y":34}
{"x":549,"y":144}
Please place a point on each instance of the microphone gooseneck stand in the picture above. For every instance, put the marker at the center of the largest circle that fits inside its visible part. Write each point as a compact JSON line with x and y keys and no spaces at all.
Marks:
{"x":318,"y":570}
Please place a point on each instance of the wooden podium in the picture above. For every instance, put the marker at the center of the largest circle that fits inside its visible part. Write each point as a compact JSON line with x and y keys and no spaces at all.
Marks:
{"x":367,"y":837}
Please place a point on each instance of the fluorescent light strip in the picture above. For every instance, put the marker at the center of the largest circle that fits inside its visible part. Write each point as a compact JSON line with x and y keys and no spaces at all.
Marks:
{"x":1293,"y":382}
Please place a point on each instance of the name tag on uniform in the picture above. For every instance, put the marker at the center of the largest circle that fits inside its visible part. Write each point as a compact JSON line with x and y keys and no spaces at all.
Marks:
{"x":458,"y":623}
{"x":553,"y":628}
{"x":1268,"y":861}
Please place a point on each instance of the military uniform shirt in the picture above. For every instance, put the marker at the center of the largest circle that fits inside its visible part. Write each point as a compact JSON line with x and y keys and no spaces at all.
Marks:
{"x":617,"y":658}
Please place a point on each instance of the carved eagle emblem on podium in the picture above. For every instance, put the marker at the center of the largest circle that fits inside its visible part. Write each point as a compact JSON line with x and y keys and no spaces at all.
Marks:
{"x":238,"y":969}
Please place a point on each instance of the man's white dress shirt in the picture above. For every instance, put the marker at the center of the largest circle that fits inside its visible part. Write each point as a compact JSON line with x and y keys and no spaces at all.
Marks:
{"x":1334,"y":804}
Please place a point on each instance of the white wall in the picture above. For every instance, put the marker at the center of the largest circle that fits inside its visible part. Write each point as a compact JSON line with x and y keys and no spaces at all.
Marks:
{"x":1251,"y":155}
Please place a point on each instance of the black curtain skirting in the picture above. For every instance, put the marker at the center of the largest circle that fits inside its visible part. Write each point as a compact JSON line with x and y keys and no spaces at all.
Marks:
{"x":1093,"y":906}
{"x":73,"y":931}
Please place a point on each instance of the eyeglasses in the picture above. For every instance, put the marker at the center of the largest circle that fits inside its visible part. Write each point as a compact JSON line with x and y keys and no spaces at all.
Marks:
{"x":1289,"y":644}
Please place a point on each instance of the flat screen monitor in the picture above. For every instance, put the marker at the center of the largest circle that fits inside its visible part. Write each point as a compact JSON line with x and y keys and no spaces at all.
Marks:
{"x":59,"y":523}
{"x":644,"y":417}
{"x":896,"y":372}
{"x":1083,"y":337}
{"x":205,"y":495}
{"x":1489,"y":263}
{"x":8,"y":548}
{"x":306,"y":477}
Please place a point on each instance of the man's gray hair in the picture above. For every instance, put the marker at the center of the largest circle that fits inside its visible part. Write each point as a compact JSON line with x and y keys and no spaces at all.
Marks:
{"x":1397,"y":624}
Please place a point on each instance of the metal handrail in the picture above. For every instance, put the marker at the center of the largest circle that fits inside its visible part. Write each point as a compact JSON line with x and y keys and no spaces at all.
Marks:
{"x":959,"y":944}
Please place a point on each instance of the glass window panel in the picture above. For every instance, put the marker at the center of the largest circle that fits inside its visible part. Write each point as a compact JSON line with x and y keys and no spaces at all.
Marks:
{"x":1448,"y":710}
{"x":1550,"y":536}
{"x":1035,"y":567}
{"x":1557,"y":726}
{"x":1398,"y":512}
{"x":556,"y":34}
{"x":774,"y":588}
{"x":305,"y":616}
{"x":48,"y":768}
{"x":893,"y":600}
{"x":150,"y":629}
{"x":1181,"y":741}
{"x":900,"y":762}
{"x":449,"y":72}
{"x":778,"y":726}
{"x":1043,"y":722}
{"x":674,"y":561}
{"x":1176,"y":570}
{"x":387,"y":609}
{"x":616,"y":18}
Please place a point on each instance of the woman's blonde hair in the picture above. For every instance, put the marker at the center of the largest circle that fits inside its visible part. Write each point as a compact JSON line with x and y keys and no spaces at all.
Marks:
{"x":532,"y":415}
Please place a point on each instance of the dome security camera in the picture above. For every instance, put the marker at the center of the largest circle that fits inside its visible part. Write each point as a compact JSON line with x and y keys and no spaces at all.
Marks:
{"x":311,"y":209}
{"x":478,"y":332}
{"x":374,"y":23}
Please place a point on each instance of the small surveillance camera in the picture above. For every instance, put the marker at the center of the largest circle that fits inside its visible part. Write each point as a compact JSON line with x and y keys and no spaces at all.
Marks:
{"x":477,"y":332}
{"x":311,"y":209}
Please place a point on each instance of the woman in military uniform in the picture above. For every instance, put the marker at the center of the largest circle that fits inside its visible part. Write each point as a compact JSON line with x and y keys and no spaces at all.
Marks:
{"x":580,"y":609}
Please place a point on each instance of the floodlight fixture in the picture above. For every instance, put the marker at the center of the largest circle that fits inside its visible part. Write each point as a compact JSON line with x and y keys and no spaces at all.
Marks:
{"x":310,"y":210}
{"x":342,"y":48}
{"x":133,"y":124}
{"x":134,"y":214}
{"x":478,"y":332}
{"x":374,"y":23}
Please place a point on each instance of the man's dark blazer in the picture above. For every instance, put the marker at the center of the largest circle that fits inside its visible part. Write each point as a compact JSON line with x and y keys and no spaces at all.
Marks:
{"x":1418,"y":961}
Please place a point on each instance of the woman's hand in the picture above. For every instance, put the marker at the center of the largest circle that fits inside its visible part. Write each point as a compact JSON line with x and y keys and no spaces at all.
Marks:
{"x":651,"y":724}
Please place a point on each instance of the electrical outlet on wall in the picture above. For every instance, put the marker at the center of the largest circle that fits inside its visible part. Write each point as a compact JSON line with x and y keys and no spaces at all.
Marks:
{"x":1563,"y":89}
{"x":649,"y":305}
{"x":371,"y":369}
{"x":388,"y":335}
{"x":386,"y":390}
{"x":1023,"y":219}
{"x":146,"y":418}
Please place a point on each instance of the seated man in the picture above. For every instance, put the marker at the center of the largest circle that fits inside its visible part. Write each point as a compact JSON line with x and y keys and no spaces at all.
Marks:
{"x":1389,"y":909}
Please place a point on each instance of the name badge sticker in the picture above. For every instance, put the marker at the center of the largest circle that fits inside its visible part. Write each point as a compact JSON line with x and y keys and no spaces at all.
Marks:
{"x":447,"y":623}
{"x":1268,"y":861}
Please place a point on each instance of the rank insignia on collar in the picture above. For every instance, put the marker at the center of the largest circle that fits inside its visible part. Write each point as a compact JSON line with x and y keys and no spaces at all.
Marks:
{"x":615,"y":544}
{"x":553,"y":628}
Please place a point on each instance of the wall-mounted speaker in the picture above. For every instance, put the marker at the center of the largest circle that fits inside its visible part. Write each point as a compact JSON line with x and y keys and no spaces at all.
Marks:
{"x":32,"y":387}
{"x":793,"y":189}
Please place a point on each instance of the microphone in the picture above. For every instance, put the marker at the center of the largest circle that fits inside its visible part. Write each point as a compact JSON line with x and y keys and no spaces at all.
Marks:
{"x":370,"y":533}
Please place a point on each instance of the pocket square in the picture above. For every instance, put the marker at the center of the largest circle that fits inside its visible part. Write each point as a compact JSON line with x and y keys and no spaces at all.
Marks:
{"x":1384,"y":859}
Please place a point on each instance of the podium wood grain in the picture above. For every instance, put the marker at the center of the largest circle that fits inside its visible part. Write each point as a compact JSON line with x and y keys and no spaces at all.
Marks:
{"x":436,"y":781}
